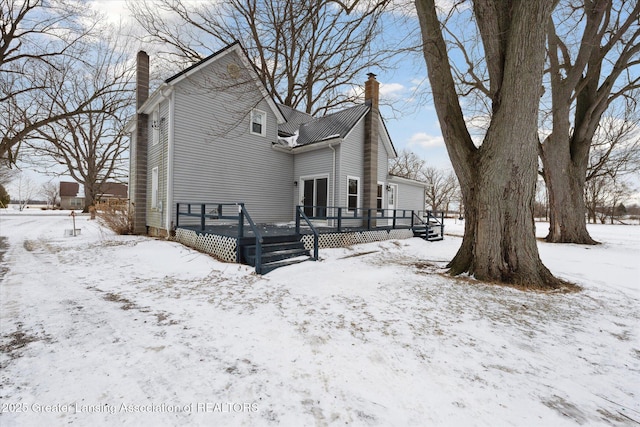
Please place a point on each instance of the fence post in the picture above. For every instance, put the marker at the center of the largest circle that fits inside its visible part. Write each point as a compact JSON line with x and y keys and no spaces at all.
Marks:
{"x":339,"y":220}
{"x":177,"y":214}
{"x":202,"y":211}
{"x":298,"y":219}
{"x":368,"y":219}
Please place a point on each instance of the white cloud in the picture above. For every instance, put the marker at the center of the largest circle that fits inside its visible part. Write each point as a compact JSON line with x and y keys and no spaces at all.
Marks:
{"x":391,"y":90}
{"x":424,"y":140}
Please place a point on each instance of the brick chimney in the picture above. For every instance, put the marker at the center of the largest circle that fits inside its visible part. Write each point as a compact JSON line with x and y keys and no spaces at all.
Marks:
{"x":371,"y":123}
{"x":140,"y":164}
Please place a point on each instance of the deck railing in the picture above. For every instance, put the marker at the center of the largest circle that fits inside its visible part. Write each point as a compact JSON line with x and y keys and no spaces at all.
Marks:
{"x":230,"y":212}
{"x":343,"y":217}
{"x":300,"y":215}
{"x":434,"y":219}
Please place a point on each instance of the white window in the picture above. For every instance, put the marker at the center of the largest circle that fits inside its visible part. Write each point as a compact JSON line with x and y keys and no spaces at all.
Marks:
{"x":155,"y":127}
{"x":258,"y":123}
{"x":154,"y":187}
{"x":353,"y":192}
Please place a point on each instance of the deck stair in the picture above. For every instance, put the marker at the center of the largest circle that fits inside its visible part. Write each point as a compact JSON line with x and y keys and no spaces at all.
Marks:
{"x":430,"y":228}
{"x":430,"y":232}
{"x":277,"y":251}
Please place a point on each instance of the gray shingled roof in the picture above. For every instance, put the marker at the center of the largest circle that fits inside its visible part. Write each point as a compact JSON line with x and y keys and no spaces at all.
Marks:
{"x":336,"y":125}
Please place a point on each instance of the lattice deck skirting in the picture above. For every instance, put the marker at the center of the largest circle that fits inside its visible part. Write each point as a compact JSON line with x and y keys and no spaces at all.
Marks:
{"x":340,"y":240}
{"x":222,"y":247}
{"x":225,"y":248}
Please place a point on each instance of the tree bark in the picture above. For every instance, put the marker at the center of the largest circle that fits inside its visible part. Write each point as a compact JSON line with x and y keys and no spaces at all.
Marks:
{"x":498,"y":179}
{"x":565,"y":181}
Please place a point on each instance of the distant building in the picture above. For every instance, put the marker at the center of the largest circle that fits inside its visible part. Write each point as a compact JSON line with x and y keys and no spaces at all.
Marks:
{"x":112,"y":191}
{"x":71,"y":199}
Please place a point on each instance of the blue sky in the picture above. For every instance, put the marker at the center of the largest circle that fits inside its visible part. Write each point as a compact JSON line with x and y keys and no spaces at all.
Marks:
{"x":412,"y":124}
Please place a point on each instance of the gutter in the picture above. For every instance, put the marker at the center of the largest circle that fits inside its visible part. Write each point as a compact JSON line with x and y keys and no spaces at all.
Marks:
{"x":328,"y":142}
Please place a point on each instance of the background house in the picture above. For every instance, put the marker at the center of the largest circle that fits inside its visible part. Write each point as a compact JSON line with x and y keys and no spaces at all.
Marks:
{"x":69,"y":196}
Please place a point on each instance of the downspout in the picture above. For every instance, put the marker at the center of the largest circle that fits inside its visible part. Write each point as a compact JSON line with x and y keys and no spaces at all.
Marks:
{"x":170,"y":149}
{"x":333,"y":173}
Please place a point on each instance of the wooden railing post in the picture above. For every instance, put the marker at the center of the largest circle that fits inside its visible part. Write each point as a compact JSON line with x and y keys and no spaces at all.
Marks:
{"x":240,"y":220}
{"x":202,"y":212}
{"x":339,"y":220}
{"x":177,"y":214}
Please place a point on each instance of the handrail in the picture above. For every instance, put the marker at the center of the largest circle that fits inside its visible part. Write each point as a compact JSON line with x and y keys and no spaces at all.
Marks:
{"x":300,"y":213}
{"x":243,"y":213}
{"x":431,"y":215}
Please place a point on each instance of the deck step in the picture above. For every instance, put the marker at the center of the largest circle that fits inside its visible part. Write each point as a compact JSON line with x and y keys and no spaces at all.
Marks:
{"x":430,"y":232}
{"x":276,"y":252}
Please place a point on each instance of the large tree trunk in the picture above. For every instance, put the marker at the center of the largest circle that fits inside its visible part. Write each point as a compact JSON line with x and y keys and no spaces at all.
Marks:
{"x":565,"y":181}
{"x":498,"y":179}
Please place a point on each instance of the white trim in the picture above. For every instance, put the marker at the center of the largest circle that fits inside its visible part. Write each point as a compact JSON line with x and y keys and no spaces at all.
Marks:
{"x":395,"y":188}
{"x":156,"y":98}
{"x":154,"y":187}
{"x":170,"y":152}
{"x":303,"y":178}
{"x":358,"y":194}
{"x":381,"y":184}
{"x":407,"y":181}
{"x":155,"y":126}
{"x":263,"y":115}
{"x":308,"y":147}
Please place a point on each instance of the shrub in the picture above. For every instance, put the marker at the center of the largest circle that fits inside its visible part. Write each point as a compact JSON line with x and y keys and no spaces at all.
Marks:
{"x":118,"y":218}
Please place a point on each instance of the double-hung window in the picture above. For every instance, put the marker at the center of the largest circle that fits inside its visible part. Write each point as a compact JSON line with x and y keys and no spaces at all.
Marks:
{"x":258,"y":123}
{"x":353,"y":192}
{"x":154,"y":188}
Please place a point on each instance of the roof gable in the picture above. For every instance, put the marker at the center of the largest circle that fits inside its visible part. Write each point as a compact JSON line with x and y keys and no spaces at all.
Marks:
{"x":69,"y":189}
{"x":166,"y":87}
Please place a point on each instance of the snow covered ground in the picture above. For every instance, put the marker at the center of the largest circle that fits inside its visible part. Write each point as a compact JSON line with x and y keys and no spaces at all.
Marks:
{"x":100,"y":329}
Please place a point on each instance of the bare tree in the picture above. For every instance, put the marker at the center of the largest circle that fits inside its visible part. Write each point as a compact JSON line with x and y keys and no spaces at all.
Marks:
{"x":498,"y":178}
{"x":26,"y":189}
{"x":308,"y":52}
{"x":6,"y":174}
{"x":615,"y":148}
{"x":37,"y":39}
{"x":594,"y":56}
{"x":92,"y":144}
{"x":603,"y":195}
{"x":50,"y":191}
{"x":441,"y":188}
{"x":407,"y":165}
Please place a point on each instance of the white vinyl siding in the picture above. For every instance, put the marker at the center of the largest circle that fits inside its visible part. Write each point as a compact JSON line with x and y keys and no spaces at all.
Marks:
{"x":157,"y":158}
{"x":217,"y":159}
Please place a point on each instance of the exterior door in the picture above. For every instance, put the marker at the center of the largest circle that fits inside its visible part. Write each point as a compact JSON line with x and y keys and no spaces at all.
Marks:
{"x":392,"y":202}
{"x":315,"y":196}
